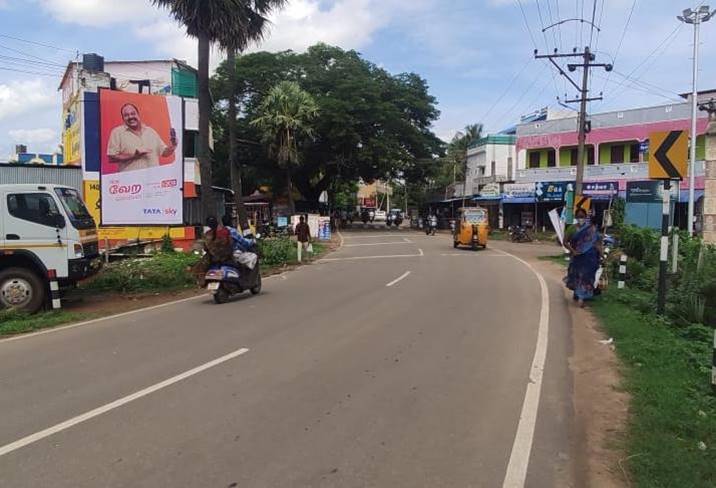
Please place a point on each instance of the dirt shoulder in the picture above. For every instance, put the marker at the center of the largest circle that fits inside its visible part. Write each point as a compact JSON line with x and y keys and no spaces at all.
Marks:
{"x":601,"y":406}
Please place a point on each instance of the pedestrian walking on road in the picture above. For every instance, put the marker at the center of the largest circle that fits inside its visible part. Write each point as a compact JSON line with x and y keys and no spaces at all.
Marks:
{"x":303,"y":236}
{"x":584,"y":244}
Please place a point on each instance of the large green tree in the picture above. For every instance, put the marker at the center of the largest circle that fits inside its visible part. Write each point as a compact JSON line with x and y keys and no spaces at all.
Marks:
{"x":372,"y":124}
{"x":233,"y":24}
{"x":286,"y":115}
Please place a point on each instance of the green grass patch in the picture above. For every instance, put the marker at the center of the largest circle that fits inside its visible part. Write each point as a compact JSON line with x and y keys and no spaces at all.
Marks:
{"x":163,"y":272}
{"x":13,"y":322}
{"x":667,"y":372}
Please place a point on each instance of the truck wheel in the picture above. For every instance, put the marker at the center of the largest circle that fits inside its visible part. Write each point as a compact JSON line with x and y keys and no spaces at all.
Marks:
{"x":21,"y":289}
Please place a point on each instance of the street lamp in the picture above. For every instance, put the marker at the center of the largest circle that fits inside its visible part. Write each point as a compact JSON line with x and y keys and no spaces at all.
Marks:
{"x":696,"y":18}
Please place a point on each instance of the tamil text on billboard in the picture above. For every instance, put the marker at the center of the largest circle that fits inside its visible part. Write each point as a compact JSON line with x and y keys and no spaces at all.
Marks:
{"x":141,"y":159}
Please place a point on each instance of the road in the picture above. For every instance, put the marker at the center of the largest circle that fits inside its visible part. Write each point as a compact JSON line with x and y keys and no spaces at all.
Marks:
{"x":397,"y":361}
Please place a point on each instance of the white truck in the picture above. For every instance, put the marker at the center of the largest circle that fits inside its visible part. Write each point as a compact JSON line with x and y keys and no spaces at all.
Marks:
{"x":48,"y":242}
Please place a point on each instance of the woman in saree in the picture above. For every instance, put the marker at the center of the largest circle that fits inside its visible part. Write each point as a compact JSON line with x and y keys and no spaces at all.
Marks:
{"x":584,"y":243}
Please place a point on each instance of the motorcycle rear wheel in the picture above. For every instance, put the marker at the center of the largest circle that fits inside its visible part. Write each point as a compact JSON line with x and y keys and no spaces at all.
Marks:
{"x":257,"y":288}
{"x":221,"y":296}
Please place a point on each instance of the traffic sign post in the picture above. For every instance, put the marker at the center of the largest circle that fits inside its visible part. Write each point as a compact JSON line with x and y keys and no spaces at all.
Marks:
{"x":582,"y":203}
{"x":664,"y":251}
{"x":667,"y":161}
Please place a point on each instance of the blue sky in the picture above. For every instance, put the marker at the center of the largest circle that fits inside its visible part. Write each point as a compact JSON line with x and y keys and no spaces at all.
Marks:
{"x":475,"y":54}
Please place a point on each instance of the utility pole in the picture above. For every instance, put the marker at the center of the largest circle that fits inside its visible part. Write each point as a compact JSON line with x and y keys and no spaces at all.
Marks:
{"x":583,"y":125}
{"x":696,"y":18}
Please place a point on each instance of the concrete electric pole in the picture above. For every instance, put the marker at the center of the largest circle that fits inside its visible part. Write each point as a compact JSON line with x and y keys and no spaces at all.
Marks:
{"x":583,"y":125}
{"x":696,"y":18}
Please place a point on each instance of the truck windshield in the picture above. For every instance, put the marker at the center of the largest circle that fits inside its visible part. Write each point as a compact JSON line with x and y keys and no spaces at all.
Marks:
{"x":74,"y":206}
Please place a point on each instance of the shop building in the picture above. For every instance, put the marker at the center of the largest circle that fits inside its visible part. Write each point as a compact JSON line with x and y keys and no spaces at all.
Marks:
{"x":617,"y":152}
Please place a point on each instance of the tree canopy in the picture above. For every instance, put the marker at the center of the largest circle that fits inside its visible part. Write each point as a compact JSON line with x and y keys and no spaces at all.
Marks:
{"x":372,"y":124}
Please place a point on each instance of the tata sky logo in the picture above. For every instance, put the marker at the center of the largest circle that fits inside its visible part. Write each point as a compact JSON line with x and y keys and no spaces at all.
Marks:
{"x":169,"y":183}
{"x":170,"y":211}
{"x":152,"y":211}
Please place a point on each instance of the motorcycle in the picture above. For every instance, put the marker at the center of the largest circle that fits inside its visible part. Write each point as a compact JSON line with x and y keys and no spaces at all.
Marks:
{"x":519,"y":234}
{"x":226,"y":280}
{"x":432,"y":226}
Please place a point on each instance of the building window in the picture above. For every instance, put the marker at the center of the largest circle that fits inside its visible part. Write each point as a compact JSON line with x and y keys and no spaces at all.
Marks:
{"x":589,"y":150}
{"x":535,"y":159}
{"x":634,"y":153}
{"x":617,"y":154}
{"x":551,"y":158}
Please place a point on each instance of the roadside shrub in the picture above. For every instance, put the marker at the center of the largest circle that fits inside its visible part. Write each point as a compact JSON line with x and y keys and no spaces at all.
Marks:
{"x":277,"y":251}
{"x":160,"y":272}
{"x":167,"y":244}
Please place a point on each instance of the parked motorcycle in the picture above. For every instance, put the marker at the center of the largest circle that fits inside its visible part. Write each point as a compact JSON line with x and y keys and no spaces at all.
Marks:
{"x":390,"y":219}
{"x":519,"y":234}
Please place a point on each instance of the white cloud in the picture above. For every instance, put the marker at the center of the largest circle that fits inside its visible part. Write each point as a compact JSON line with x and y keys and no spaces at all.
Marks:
{"x":23,"y":97}
{"x":42,"y":140}
{"x":101,"y":12}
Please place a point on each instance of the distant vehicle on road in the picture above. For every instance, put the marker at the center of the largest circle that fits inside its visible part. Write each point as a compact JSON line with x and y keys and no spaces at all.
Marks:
{"x":380,"y":215}
{"x":472,"y":228}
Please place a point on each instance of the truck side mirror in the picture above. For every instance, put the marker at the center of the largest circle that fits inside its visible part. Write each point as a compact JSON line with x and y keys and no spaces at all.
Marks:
{"x":59,"y":221}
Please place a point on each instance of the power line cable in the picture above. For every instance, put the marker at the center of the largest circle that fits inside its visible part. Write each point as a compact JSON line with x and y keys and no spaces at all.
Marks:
{"x":621,"y":39}
{"x":662,"y":46}
{"x":527,"y":24}
{"x":29,"y":61}
{"x":594,"y":15}
{"x":29,"y":72}
{"x":28,"y":55}
{"x":74,"y":51}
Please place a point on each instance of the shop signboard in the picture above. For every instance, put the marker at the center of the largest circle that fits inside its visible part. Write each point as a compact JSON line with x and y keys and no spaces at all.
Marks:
{"x":648,"y":191}
{"x":601,"y":190}
{"x":554,"y":191}
{"x":519,"y":190}
{"x":490,"y":190}
{"x":142,"y":165}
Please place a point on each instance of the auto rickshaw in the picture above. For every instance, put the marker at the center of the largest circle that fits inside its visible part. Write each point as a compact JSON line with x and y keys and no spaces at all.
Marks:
{"x":472,"y":228}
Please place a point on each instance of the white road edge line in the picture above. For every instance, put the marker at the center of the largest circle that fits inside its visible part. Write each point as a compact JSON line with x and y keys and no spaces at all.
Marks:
{"x":399,"y":243}
{"x":398,"y":279}
{"x":32,"y":438}
{"x":110,"y":317}
{"x":360,"y":258}
{"x":520,"y":456}
{"x":372,"y":236}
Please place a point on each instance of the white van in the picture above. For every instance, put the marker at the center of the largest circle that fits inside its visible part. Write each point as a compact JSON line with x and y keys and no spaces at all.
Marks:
{"x":46,"y":236}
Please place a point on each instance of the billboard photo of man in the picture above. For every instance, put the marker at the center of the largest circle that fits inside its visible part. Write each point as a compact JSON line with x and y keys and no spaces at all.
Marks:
{"x":141,"y":158}
{"x":134,"y":145}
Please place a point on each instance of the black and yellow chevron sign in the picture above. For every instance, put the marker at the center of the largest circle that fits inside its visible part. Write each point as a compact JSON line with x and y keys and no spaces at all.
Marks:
{"x":668,"y":155}
{"x":582,"y":203}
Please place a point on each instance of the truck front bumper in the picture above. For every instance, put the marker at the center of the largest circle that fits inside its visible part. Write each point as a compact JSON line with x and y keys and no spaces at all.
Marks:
{"x":82,"y":268}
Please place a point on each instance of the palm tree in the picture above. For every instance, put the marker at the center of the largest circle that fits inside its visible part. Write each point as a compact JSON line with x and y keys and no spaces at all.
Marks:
{"x":285,"y":114}
{"x":458,"y":147}
{"x":233,"y":24}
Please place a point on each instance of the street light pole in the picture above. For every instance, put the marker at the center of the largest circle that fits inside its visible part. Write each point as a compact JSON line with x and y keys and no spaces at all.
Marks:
{"x":695,"y":17}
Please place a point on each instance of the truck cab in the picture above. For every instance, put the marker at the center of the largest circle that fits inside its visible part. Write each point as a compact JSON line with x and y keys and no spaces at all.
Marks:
{"x":47,"y":236}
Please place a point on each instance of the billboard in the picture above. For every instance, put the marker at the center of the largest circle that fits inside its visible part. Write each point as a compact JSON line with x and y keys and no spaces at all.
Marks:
{"x":141,"y":170}
{"x":71,"y":134}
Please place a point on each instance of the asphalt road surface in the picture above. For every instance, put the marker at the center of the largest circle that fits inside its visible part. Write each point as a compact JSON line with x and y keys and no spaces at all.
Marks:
{"x":397,"y":361}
